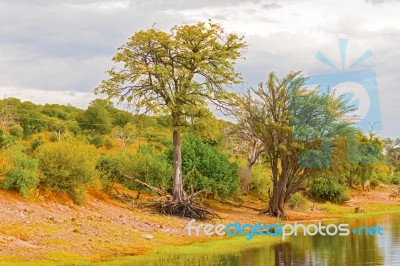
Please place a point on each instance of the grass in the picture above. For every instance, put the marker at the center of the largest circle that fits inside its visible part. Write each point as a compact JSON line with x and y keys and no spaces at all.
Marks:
{"x":206,"y":253}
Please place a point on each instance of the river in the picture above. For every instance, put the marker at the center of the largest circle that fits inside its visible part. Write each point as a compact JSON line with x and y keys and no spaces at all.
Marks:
{"x":352,"y":249}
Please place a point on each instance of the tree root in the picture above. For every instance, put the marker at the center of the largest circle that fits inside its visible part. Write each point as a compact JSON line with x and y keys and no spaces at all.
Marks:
{"x":280,"y":214}
{"x":186,"y":209}
{"x":124,"y":198}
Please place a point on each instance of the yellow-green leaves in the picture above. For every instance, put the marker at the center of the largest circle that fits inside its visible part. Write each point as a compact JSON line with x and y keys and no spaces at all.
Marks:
{"x":177,"y":70}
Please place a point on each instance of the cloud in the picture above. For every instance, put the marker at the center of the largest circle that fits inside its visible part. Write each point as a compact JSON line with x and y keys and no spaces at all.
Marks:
{"x":377,"y":2}
{"x":59,"y":49}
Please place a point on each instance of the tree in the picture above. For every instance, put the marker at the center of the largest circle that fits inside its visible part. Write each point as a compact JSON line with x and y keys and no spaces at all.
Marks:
{"x":96,"y":118}
{"x":58,"y":128}
{"x":392,"y":149}
{"x":173,"y":73}
{"x":243,"y":141}
{"x":364,"y":153}
{"x":6,"y":117}
{"x":296,"y":127}
{"x":125,"y":135}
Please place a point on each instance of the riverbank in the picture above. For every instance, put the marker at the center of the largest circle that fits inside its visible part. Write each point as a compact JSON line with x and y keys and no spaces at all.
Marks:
{"x":54,"y":230}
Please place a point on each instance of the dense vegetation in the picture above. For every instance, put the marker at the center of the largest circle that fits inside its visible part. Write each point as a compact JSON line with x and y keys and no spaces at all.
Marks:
{"x":286,"y":142}
{"x":57,"y":151}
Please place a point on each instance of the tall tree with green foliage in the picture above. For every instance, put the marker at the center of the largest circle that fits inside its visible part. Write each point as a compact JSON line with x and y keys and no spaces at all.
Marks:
{"x":296,"y":127}
{"x":173,"y":73}
{"x":96,"y":117}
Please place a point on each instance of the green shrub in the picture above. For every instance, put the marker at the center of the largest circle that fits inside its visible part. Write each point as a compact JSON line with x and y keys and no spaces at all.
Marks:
{"x":67,"y":167}
{"x":36,"y":143}
{"x":108,"y":144}
{"x":97,"y":141}
{"x":297,"y":201}
{"x":374,"y":183}
{"x":395,"y":179}
{"x":53,"y":137}
{"x":23,"y":174}
{"x":260,"y":181}
{"x":6,"y":141}
{"x":204,"y":167}
{"x":145,"y":165}
{"x":148,"y":167}
{"x":329,"y":188}
{"x":108,"y":167}
{"x":16,"y":130}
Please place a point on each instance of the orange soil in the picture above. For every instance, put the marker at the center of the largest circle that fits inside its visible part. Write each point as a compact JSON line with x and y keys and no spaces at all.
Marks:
{"x":105,"y":227}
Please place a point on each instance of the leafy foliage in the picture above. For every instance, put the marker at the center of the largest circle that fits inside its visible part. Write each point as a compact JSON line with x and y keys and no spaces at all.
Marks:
{"x":297,"y":202}
{"x":23,"y":175}
{"x":67,"y":167}
{"x":329,"y":188}
{"x":260,"y":183}
{"x":147,"y":166}
{"x":204,"y":167}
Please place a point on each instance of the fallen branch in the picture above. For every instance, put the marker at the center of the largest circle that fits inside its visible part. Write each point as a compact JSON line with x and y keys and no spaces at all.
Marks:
{"x":195,"y":194}
{"x":240,"y":205}
{"x":157,"y":190}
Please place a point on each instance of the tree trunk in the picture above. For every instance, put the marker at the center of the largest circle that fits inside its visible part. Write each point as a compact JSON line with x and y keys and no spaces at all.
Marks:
{"x":178,"y":194}
{"x":277,"y":202}
{"x":245,"y":176}
{"x":277,"y":199}
{"x":254,"y":154}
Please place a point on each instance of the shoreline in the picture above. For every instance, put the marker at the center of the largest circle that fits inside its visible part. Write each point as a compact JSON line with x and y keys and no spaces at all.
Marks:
{"x":103,"y":229}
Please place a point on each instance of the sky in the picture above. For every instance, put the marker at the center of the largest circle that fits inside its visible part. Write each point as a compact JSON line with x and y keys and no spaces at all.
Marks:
{"x":57,"y":51}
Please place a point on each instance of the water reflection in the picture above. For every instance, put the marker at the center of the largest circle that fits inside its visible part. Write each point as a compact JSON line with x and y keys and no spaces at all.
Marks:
{"x":314,"y":250}
{"x":345,"y":250}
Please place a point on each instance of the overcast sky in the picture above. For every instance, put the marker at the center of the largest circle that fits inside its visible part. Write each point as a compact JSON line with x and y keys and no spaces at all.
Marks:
{"x":57,"y":51}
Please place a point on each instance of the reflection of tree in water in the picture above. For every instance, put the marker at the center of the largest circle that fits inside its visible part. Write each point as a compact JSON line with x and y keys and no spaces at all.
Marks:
{"x":346,"y":250}
{"x":339,"y":250}
{"x":286,"y":255}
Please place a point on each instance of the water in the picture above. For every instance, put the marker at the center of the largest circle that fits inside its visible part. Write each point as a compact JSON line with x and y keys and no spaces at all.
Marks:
{"x":332,"y":250}
{"x":311,"y":250}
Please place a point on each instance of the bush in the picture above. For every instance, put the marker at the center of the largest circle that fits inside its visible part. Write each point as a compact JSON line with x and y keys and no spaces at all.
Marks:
{"x":329,"y":188}
{"x":36,"y":143}
{"x":23,"y":174}
{"x":260,"y":181}
{"x":16,"y":130}
{"x":297,"y":201}
{"x":144,"y":165}
{"x":108,"y":144}
{"x":374,"y":183}
{"x":148,"y":167}
{"x":6,"y":141}
{"x":108,"y":167}
{"x":67,"y":167}
{"x":97,"y":141}
{"x":204,"y":167}
{"x":395,"y":180}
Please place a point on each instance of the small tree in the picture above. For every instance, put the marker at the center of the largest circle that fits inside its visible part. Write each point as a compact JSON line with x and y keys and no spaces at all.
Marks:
{"x":296,"y":127}
{"x":125,"y":135}
{"x":173,"y":73}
